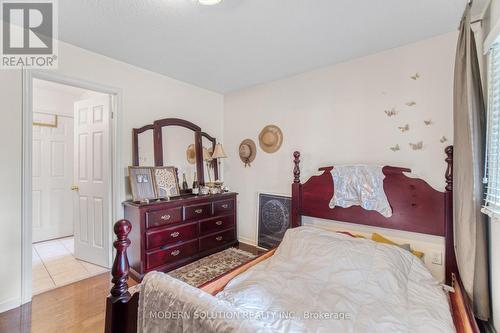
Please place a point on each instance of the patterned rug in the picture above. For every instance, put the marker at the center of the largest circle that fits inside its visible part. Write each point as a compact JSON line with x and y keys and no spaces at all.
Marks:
{"x":205,"y":269}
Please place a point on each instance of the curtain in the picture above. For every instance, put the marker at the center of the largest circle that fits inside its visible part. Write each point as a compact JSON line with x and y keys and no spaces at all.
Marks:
{"x":468,"y":167}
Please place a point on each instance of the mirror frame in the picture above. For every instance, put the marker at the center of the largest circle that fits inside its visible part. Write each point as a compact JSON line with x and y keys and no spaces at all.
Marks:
{"x":135,"y":142}
{"x":157,"y":127}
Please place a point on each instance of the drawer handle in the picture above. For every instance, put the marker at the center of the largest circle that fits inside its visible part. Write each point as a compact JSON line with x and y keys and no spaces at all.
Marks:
{"x":218,"y":238}
{"x":175,"y":253}
{"x":165,"y":217}
{"x":225,"y":206}
{"x":198,"y":211}
{"x":175,"y":234}
{"x":218,"y":222}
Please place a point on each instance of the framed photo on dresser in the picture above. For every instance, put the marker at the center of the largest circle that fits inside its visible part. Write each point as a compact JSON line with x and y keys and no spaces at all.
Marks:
{"x":274,"y":219}
{"x":142,"y":183}
{"x":166,"y":181}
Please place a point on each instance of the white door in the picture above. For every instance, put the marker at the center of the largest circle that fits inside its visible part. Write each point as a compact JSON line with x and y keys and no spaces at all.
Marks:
{"x":52,"y":179}
{"x":92,"y":170}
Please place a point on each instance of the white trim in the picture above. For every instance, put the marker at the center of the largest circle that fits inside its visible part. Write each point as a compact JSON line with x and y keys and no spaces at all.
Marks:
{"x":247,"y":241}
{"x":117,"y":171}
{"x":10,"y":304}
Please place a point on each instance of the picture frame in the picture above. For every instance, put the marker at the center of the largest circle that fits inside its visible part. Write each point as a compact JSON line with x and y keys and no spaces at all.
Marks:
{"x":166,"y":182}
{"x":142,"y":183}
{"x":274,"y":219}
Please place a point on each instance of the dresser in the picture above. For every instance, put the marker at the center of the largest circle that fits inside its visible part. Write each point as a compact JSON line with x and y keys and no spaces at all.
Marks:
{"x":168,"y":234}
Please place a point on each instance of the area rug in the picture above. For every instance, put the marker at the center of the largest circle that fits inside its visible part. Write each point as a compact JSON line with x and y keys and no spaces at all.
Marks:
{"x":208,"y":268}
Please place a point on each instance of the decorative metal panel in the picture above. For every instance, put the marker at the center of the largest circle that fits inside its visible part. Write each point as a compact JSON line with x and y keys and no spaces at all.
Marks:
{"x":274,"y":219}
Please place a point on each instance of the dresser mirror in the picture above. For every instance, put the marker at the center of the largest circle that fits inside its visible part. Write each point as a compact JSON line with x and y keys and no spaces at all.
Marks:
{"x":143,"y":147}
{"x":179,"y":150}
{"x":179,"y":143}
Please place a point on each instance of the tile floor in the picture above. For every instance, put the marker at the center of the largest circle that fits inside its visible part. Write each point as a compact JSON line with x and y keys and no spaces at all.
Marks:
{"x":54,"y":265}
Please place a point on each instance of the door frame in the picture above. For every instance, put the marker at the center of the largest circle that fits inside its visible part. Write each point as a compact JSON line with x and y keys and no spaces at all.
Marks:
{"x":117,"y":173}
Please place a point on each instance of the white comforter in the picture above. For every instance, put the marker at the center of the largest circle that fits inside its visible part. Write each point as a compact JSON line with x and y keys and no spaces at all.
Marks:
{"x":317,"y":281}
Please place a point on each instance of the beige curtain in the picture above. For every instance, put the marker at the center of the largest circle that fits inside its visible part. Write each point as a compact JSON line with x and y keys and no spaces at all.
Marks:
{"x":469,"y":141}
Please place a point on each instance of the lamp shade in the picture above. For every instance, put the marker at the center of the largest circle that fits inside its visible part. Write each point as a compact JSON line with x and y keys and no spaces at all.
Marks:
{"x":219,"y":151}
{"x":206,"y":155}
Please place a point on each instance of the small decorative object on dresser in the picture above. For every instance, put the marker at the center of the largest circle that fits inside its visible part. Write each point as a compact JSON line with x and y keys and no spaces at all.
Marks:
{"x":169,"y":234}
{"x":274,"y":219}
{"x":141,"y":183}
{"x":270,"y":139}
{"x":167,"y":184}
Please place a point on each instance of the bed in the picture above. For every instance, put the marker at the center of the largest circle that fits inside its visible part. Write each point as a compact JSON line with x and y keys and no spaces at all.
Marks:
{"x":367,"y":286}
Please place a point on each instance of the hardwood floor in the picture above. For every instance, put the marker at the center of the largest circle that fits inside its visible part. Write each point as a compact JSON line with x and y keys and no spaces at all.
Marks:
{"x":78,"y":307}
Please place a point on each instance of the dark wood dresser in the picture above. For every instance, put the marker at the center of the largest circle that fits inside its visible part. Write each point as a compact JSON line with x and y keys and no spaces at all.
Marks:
{"x":168,"y":234}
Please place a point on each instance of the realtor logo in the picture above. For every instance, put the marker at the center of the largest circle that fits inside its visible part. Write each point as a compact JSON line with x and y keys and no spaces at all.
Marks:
{"x":29,"y":37}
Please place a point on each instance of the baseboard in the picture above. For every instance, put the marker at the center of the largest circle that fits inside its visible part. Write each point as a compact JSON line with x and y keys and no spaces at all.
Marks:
{"x":10,"y":304}
{"x":247,"y":241}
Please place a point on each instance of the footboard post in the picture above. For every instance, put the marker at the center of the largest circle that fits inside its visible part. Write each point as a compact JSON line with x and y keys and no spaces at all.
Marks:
{"x":296,"y":192}
{"x":118,"y":309}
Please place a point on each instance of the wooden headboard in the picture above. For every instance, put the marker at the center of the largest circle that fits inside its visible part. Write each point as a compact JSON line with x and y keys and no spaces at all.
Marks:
{"x":416,"y":206}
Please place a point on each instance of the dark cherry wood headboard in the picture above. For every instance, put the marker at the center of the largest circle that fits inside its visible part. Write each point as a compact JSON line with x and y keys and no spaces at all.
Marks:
{"x":416,"y":206}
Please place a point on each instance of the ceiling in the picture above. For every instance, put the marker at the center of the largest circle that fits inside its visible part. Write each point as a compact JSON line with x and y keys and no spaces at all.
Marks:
{"x":241,"y":43}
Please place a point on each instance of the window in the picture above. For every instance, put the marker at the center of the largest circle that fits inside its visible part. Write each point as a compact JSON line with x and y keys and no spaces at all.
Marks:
{"x":492,"y":168}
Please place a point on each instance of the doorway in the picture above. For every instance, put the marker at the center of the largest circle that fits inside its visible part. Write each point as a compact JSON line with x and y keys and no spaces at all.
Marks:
{"x":69,"y":180}
{"x":71,"y":194}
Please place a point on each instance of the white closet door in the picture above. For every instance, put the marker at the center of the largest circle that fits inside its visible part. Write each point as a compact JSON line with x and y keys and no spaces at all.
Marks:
{"x":52,"y":179}
{"x":92,"y":163}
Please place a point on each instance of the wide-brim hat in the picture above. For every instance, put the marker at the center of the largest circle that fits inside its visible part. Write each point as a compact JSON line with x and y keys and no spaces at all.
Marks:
{"x":191,"y":154}
{"x":270,"y":138}
{"x":247,"y":151}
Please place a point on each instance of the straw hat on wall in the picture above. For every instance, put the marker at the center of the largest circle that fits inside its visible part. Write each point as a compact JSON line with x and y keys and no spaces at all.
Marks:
{"x":191,"y":154}
{"x":270,"y":138}
{"x":248,"y":151}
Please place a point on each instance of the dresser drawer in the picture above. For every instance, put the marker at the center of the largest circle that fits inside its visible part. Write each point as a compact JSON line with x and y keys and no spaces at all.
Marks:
{"x":213,"y":241}
{"x":197,"y":211}
{"x":171,"y":235}
{"x":170,"y":254}
{"x":158,"y":218}
{"x":216,"y":224}
{"x":223,"y":207}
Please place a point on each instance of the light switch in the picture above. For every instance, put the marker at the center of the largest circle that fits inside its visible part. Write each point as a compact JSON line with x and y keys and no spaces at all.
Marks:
{"x":436,"y":258}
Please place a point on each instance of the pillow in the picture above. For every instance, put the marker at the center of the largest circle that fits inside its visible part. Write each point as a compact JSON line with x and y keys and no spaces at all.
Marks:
{"x":381,"y":239}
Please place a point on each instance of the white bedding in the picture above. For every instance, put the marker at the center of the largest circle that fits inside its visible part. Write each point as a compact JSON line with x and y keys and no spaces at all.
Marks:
{"x":317,"y":281}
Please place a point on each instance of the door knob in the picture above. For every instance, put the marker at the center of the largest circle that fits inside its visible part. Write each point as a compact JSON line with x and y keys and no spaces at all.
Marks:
{"x":74,"y":188}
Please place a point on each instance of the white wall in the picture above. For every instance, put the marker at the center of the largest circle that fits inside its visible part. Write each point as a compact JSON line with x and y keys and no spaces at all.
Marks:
{"x":147,"y":96}
{"x":336,"y":115}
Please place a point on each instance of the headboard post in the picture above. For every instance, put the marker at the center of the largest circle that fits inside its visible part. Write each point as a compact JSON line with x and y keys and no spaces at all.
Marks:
{"x":450,"y":258}
{"x":296,"y":192}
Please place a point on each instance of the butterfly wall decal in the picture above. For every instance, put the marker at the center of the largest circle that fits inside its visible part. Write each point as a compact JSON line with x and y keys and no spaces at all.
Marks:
{"x":391,"y":113}
{"x":404,"y":128}
{"x":443,"y":139}
{"x":415,"y":77}
{"x":428,"y":122}
{"x":395,"y":148}
{"x":411,"y":103}
{"x":417,"y":146}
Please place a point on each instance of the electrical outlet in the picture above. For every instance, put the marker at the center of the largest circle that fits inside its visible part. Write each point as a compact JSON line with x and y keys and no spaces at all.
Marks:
{"x":436,"y":258}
